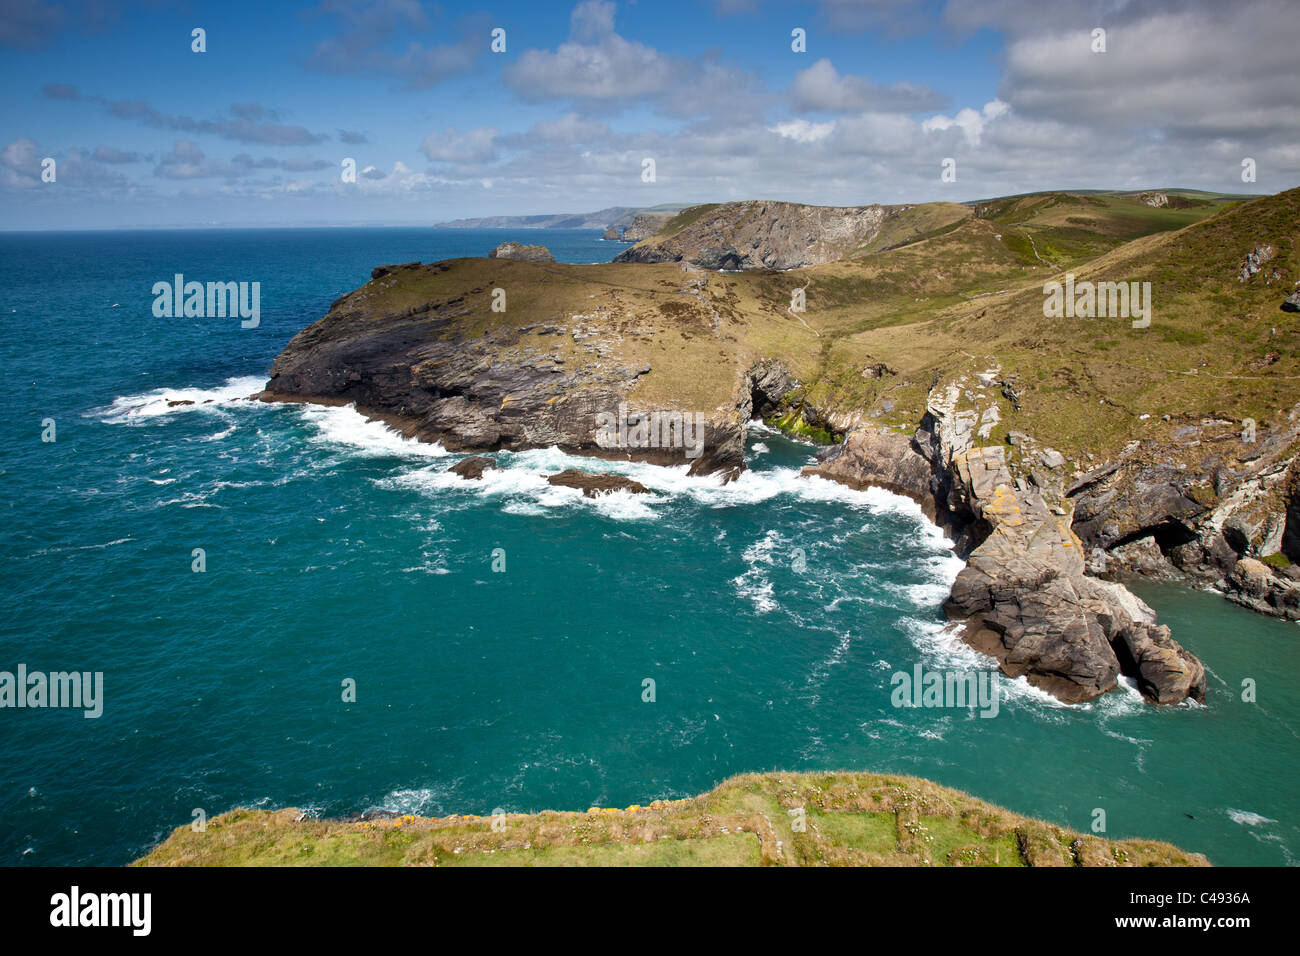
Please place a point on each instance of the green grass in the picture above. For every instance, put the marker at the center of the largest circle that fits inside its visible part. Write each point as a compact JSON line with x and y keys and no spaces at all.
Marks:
{"x":772,"y":819}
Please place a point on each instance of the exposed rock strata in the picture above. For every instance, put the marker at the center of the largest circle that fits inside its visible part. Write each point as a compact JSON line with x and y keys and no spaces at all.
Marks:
{"x":1024,"y":593}
{"x":427,"y":373}
{"x":763,"y":235}
{"x":1206,"y":510}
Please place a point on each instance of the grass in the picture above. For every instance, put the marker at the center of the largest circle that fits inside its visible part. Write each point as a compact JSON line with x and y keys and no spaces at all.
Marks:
{"x":775,"y":819}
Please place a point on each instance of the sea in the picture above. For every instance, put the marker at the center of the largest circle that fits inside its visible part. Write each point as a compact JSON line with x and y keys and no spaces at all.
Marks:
{"x":291,"y":606}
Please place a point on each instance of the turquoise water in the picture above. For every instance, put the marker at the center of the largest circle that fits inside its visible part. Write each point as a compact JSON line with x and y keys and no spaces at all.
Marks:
{"x":770,"y":613}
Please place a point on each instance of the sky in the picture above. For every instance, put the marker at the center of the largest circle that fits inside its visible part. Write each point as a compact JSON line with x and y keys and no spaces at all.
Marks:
{"x":258,"y":128}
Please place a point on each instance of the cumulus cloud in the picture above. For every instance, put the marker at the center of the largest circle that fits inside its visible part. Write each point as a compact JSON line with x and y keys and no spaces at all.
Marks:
{"x":970,"y":122}
{"x":596,"y":64}
{"x":822,"y":88}
{"x":185,"y":160}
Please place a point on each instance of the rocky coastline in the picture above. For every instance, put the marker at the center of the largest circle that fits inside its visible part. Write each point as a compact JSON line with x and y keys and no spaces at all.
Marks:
{"x":699,"y":321}
{"x":1024,"y":594}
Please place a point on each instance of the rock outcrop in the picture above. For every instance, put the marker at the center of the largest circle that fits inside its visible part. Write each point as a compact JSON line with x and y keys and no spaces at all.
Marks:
{"x":594,"y":485}
{"x":1206,"y":507}
{"x":473,"y":467}
{"x":761,"y":235}
{"x":521,"y":252}
{"x":638,"y":227}
{"x":1024,"y":594}
{"x":415,"y":359}
{"x":879,"y":458}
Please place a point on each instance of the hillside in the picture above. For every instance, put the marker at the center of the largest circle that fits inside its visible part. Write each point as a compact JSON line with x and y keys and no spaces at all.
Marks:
{"x":1034,"y":229}
{"x":848,"y":819}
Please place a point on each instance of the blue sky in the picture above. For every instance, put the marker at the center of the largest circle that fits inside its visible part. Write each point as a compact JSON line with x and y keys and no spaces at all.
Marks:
{"x":144,"y":131}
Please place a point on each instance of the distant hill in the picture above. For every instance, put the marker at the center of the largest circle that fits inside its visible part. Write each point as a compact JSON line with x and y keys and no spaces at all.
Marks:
{"x":601,"y":219}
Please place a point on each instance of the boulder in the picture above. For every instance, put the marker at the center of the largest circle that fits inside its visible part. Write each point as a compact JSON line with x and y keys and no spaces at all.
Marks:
{"x":474,"y":466}
{"x":521,"y":252}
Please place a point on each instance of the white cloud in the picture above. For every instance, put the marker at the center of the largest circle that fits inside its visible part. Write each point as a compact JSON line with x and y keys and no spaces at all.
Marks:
{"x":802,"y":131}
{"x":821,"y":87}
{"x":969,"y":121}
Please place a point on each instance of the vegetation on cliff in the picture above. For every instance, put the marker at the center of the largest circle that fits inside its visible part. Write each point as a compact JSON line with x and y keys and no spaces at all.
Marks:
{"x":777,"y":819}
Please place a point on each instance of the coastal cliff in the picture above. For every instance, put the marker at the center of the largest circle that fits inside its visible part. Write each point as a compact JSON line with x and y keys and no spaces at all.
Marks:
{"x":922,"y":359}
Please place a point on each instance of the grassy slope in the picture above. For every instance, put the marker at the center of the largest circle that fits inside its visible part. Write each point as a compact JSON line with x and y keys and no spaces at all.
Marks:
{"x":851,"y":819}
{"x":965,"y":301}
{"x":961,"y":294}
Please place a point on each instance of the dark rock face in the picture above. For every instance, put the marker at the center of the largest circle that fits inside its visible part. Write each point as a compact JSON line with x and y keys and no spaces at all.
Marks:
{"x":474,"y":466}
{"x":1238,"y":499}
{"x":423,"y":373}
{"x":521,"y":252}
{"x":1291,"y":303}
{"x":378,"y":272}
{"x":593,"y":485}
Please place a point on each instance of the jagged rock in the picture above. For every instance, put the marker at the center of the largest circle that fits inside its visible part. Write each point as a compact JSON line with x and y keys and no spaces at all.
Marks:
{"x":1141,"y":557}
{"x":593,"y":485}
{"x":1254,"y":585}
{"x":1023,"y":593}
{"x":1255,"y":259}
{"x":1052,"y":458}
{"x":474,"y":466}
{"x":521,"y":252}
{"x":1291,"y":303}
{"x":878,"y":370}
{"x":1166,"y":674}
{"x":763,"y":235}
{"x":878,"y":458}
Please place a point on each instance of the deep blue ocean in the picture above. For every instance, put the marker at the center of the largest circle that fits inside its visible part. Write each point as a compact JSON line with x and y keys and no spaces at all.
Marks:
{"x":770,"y":613}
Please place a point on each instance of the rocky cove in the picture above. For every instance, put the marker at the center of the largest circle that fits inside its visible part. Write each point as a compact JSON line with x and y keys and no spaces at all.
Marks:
{"x":439,"y":369}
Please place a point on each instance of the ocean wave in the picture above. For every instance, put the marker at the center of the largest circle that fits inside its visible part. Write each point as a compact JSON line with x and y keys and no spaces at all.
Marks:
{"x":343,"y":425}
{"x":135,"y":409}
{"x":1248,"y":818}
